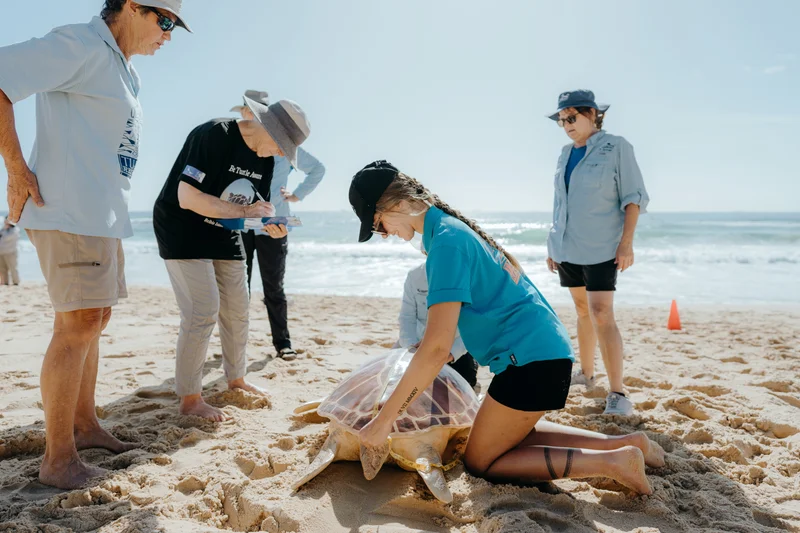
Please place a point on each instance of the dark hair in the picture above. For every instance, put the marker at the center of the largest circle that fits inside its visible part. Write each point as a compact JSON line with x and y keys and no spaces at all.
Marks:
{"x":589,"y":111}
{"x":404,"y":187}
{"x":111,"y":9}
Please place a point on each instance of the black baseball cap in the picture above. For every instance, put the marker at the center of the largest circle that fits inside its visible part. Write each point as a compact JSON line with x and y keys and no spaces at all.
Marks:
{"x":366,"y":189}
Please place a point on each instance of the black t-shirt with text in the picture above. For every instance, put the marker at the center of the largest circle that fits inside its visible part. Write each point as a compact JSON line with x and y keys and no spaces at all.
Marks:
{"x":216,"y":161}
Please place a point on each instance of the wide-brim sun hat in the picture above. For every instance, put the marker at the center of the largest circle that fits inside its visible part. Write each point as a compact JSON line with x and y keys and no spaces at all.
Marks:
{"x":258,"y":96}
{"x":577,"y":98}
{"x":286,"y":123}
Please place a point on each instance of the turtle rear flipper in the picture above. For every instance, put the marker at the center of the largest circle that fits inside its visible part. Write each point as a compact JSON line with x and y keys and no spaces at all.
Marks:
{"x":326,"y":455}
{"x":433,"y":476}
{"x":308,"y":412}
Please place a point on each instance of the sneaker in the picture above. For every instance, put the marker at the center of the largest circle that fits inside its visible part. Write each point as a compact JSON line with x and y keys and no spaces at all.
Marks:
{"x":579,"y":378}
{"x":287,"y":354}
{"x":617,"y":404}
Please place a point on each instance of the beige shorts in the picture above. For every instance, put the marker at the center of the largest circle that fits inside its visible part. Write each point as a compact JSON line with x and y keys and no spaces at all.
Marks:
{"x":81,"y":272}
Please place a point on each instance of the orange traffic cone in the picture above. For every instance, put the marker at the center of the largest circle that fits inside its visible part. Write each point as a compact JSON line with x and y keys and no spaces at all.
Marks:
{"x":674,"y":322}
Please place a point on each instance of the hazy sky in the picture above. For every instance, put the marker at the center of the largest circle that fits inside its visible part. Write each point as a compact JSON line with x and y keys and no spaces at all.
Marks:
{"x":455,"y":92}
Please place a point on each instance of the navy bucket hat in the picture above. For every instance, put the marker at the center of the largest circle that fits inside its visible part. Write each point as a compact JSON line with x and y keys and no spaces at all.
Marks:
{"x":578,"y":98}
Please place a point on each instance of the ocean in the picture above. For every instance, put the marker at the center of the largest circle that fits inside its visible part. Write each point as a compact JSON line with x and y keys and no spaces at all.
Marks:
{"x":695,"y":258}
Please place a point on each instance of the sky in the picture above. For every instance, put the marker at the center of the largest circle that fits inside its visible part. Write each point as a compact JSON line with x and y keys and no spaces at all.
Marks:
{"x":455,"y":93}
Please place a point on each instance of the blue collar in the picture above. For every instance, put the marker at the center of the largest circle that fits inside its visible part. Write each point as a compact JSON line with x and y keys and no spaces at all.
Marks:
{"x":432,"y":218}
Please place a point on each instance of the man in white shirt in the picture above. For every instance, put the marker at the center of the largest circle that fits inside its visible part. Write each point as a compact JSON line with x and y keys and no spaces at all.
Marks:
{"x":71,"y":197}
{"x":414,"y":319}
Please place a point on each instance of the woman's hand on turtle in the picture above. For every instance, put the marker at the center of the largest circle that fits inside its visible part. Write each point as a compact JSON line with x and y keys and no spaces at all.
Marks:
{"x":276,"y":231}
{"x":552,"y":266}
{"x":624,"y":259}
{"x":374,"y":434}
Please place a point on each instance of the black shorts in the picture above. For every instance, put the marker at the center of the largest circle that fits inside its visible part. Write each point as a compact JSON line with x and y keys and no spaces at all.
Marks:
{"x":599,"y":277}
{"x":537,"y":386}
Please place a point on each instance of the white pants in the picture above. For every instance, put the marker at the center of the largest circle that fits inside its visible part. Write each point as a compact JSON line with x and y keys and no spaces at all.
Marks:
{"x":209,"y":292}
{"x":8,"y":268}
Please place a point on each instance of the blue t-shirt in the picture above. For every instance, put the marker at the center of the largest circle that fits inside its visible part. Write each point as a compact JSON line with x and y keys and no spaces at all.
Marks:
{"x":504,"y":318}
{"x":575,"y":157}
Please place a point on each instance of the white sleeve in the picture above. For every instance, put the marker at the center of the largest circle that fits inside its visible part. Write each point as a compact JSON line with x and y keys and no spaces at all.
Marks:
{"x":408,"y":315}
{"x":54,"y":62}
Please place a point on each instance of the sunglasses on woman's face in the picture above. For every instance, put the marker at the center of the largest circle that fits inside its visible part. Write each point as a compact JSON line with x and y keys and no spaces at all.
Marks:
{"x":378,"y":229}
{"x":568,"y":120}
{"x":164,"y":22}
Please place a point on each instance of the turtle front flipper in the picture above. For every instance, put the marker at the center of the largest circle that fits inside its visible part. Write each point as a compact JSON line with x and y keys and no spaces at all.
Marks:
{"x":326,"y":455}
{"x":433,"y":475}
{"x":372,"y":459}
{"x":308,"y":412}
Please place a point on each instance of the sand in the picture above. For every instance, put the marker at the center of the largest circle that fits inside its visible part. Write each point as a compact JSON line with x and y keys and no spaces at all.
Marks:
{"x":722,"y":397}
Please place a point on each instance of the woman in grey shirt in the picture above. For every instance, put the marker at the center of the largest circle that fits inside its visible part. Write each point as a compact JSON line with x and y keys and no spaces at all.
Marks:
{"x":599,"y":194}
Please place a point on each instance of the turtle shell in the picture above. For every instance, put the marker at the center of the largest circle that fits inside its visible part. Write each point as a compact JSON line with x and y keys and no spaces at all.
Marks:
{"x":449,"y":401}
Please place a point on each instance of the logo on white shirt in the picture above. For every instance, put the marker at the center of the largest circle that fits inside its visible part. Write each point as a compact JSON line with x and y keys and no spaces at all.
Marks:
{"x":128,"y":151}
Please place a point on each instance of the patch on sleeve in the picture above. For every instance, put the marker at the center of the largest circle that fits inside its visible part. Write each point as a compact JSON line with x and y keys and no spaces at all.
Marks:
{"x":193,"y":173}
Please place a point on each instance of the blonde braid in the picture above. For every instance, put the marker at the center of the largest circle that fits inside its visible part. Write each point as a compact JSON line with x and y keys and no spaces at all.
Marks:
{"x":406,"y":188}
{"x":476,"y":228}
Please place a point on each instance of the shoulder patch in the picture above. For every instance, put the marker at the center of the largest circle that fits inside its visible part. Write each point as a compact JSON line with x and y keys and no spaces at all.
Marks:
{"x":193,"y":173}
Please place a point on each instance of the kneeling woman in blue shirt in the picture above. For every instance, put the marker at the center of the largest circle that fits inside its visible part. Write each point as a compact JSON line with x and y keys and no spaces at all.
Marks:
{"x":479,"y":288}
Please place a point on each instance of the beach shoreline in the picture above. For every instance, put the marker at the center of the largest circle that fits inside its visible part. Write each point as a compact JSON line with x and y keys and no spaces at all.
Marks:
{"x":722,"y":396}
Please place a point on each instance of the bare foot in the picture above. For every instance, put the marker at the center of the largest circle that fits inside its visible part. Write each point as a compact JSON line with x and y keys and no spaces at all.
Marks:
{"x":249,"y":387}
{"x":70,"y":474}
{"x":628,"y":469}
{"x":653,"y":452}
{"x":97,"y":437}
{"x":195,"y":405}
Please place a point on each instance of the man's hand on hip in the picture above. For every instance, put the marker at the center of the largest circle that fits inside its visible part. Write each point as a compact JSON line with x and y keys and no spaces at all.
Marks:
{"x":289,"y":197}
{"x":22,"y":183}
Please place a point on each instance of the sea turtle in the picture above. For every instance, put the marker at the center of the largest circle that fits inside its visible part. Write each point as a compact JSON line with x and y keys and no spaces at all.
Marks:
{"x":441,"y":415}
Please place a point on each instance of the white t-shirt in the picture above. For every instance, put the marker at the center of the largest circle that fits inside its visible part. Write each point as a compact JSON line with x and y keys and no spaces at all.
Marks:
{"x":414,"y":312}
{"x":88,"y":120}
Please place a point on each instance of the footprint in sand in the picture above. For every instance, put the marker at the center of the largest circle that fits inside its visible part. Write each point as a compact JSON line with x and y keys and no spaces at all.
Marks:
{"x":190,"y":484}
{"x":124,"y":355}
{"x":320,"y":341}
{"x":688,"y":407}
{"x":154,"y":392}
{"x":698,"y":436}
{"x":709,"y":390}
{"x":261,"y":467}
{"x":240,"y":399}
{"x":778,"y":386}
{"x":788,"y":398}
{"x":734,"y":359}
{"x":144,"y":407}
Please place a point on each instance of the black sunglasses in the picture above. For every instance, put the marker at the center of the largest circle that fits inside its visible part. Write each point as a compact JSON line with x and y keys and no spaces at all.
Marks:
{"x":569,"y":120}
{"x":164,"y":22}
